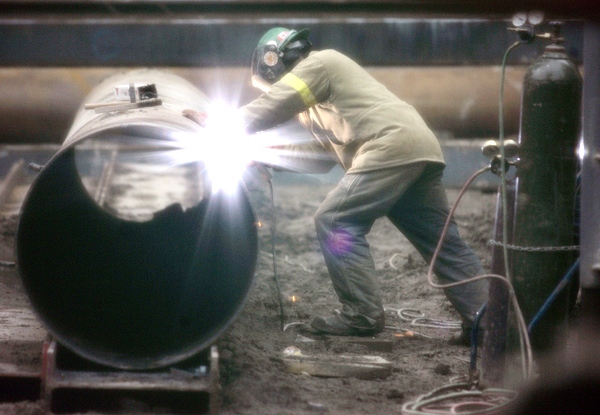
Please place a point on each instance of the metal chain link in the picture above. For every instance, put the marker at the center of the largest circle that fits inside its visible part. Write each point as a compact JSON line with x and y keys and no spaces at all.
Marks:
{"x":536,"y":248}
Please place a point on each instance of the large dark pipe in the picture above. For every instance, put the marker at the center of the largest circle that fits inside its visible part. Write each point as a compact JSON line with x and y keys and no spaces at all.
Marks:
{"x":137,"y":289}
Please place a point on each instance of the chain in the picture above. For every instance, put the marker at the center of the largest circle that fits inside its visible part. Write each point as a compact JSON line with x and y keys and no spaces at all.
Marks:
{"x":536,"y":248}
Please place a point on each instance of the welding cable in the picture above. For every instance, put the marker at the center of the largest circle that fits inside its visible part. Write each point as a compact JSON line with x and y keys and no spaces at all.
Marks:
{"x":503,"y":160}
{"x":391,"y":261}
{"x":458,"y":399}
{"x":436,"y":324}
{"x":304,"y":267}
{"x":418,"y":318}
{"x":475,"y":340}
{"x":409,"y":314}
{"x":526,"y":345}
{"x":524,"y":341}
{"x":555,"y":293}
{"x":267,"y":177}
{"x":450,"y":394}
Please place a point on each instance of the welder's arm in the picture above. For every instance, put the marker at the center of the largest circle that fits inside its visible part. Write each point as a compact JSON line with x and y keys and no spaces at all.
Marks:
{"x":307,"y":157}
{"x":281,"y":104}
{"x":305,"y":86}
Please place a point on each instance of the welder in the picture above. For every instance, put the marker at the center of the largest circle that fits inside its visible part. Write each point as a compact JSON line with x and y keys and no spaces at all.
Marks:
{"x":393,"y":167}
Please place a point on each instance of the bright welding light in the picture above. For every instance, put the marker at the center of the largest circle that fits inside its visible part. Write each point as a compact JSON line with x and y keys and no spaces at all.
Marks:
{"x":226,"y":151}
{"x":221,"y":145}
{"x":581,"y":149}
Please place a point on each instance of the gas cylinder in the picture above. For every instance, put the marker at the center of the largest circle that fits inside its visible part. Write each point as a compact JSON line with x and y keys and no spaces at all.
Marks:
{"x":544,"y":232}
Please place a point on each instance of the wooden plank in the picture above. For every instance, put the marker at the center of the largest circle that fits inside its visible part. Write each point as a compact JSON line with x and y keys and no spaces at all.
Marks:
{"x":361,"y":367}
{"x":376,"y":345}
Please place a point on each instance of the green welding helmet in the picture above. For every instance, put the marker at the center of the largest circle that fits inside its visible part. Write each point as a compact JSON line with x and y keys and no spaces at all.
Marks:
{"x":276,"y":50}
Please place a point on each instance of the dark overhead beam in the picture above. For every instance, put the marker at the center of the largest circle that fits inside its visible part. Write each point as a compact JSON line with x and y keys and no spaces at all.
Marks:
{"x":224,"y":32}
{"x":136,"y":40}
{"x":556,"y":8}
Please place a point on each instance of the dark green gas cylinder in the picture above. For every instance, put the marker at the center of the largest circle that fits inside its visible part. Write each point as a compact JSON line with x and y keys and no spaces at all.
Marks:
{"x":544,"y":233}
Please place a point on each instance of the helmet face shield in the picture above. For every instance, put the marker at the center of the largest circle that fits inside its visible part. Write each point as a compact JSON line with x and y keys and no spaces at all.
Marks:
{"x":272,"y":57}
{"x":267,"y":63}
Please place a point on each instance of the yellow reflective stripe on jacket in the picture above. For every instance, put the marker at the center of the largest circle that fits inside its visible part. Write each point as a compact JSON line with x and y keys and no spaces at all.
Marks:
{"x":300,"y":86}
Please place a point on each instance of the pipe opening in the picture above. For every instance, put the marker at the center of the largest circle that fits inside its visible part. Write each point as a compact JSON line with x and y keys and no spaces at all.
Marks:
{"x":133,"y":178}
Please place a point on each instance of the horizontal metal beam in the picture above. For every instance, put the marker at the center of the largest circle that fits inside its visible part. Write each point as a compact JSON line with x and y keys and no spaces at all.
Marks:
{"x":136,"y":40}
{"x":556,"y":8}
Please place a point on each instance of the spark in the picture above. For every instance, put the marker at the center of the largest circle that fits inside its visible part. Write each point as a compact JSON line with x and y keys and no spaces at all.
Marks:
{"x":581,"y":150}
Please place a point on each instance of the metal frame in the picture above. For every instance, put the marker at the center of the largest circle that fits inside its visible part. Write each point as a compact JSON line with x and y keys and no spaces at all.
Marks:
{"x":74,"y":381}
{"x":472,"y":7}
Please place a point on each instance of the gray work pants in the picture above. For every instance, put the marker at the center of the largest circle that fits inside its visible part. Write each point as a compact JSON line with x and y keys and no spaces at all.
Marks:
{"x":414,"y":199}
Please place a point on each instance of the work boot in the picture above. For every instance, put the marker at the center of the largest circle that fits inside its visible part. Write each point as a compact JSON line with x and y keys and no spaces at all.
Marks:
{"x":335,"y":326}
{"x":463,"y":337}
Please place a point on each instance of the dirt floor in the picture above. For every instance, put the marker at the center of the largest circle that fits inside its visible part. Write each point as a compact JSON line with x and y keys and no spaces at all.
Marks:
{"x":255,"y":378}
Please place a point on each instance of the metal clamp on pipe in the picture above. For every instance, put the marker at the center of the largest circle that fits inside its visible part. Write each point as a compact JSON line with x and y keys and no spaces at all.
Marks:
{"x":136,"y":95}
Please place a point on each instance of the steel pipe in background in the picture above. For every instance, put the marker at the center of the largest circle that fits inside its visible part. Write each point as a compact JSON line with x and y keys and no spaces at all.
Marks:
{"x":37,"y":104}
{"x":125,"y":288}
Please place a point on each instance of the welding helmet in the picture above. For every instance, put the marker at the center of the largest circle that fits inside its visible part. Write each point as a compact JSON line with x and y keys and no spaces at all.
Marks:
{"x":277,"y":49}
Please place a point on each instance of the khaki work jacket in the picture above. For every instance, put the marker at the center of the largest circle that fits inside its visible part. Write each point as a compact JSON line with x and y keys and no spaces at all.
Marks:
{"x":355,"y":119}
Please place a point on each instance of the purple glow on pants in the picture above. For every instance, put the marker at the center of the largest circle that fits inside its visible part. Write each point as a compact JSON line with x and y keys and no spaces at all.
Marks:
{"x":339,"y":242}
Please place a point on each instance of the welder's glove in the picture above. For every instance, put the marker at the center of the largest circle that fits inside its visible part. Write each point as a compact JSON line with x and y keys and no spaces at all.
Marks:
{"x":197,"y":116}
